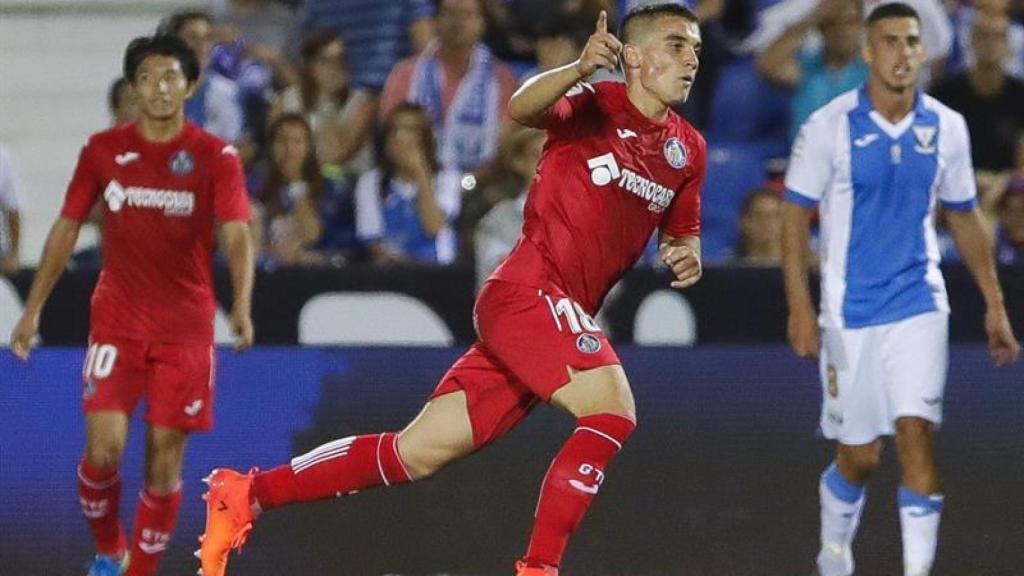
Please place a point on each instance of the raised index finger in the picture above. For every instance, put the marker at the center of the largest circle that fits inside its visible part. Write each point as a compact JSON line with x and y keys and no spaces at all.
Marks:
{"x":602,"y":23}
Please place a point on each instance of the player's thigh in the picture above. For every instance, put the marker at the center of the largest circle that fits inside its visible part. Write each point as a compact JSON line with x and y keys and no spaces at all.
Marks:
{"x":542,"y":338}
{"x":917,"y":361}
{"x":181,"y":386}
{"x":491,"y":398}
{"x":597,"y":391}
{"x":113,"y":375}
{"x":855,"y":406}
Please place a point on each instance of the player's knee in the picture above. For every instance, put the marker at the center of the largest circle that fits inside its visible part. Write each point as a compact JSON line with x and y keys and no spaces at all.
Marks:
{"x":860,"y":461}
{"x":914,"y":431}
{"x":104,"y":455}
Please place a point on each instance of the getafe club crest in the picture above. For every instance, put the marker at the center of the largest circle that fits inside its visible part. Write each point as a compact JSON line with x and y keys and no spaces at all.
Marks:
{"x":182,"y":163}
{"x":675,"y":153}
{"x":924,"y":139}
{"x":588,"y":344}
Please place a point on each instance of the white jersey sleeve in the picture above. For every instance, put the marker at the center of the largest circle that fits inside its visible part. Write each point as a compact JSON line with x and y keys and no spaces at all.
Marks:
{"x":811,"y":161}
{"x":957,"y":188}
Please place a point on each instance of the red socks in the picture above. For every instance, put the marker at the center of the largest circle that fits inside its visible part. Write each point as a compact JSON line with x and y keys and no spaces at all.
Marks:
{"x":572,"y":482}
{"x":154,"y":523}
{"x":99,"y":493}
{"x":332,"y":470}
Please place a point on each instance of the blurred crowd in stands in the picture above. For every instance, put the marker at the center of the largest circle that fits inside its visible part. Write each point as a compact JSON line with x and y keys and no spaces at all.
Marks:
{"x":376,"y":132}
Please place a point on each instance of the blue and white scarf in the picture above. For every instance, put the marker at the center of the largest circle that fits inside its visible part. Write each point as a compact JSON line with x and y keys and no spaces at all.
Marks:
{"x":468,"y":133}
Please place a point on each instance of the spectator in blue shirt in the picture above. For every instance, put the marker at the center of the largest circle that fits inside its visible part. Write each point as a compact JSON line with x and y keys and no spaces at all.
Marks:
{"x":405,"y":206}
{"x":817,"y":76}
{"x":215,"y":104}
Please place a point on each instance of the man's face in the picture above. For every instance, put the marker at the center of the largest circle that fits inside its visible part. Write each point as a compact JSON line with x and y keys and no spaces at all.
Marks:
{"x":894,"y":53}
{"x":669,"y":55}
{"x":460,"y":23}
{"x":990,"y":39}
{"x":161,"y":87}
{"x":842,"y":33}
{"x":198,"y":34}
{"x":762,"y":223}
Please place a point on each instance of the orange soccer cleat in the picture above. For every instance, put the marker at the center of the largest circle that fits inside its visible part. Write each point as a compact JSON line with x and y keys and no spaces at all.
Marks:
{"x":523,"y":570}
{"x":229,"y":518}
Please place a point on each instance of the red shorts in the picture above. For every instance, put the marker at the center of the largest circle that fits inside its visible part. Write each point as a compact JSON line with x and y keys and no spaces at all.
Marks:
{"x":528,"y":340}
{"x":177,"y":379}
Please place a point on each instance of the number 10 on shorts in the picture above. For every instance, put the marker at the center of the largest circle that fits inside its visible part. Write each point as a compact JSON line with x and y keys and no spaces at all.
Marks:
{"x":99,"y":361}
{"x":574,"y":315}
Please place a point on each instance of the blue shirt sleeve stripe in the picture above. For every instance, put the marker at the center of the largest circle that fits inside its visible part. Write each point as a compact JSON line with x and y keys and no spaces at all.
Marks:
{"x":965,"y":206}
{"x":798,"y":198}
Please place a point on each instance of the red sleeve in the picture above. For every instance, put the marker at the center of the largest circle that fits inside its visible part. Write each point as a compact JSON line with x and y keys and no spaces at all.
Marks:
{"x":230,"y":199}
{"x":683,"y":218}
{"x":569,"y":111}
{"x":84,"y":187}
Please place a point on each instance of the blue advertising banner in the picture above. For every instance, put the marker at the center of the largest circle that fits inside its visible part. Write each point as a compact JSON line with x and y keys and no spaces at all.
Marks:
{"x":719,"y":479}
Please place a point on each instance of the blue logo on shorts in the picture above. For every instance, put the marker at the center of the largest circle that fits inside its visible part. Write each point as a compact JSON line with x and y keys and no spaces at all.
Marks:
{"x":182,"y":163}
{"x":588,"y":344}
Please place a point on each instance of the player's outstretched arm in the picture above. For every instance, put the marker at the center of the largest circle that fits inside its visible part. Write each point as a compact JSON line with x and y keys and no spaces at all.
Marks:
{"x":538,"y":94}
{"x":802,"y":328}
{"x":60,"y":243}
{"x":682,"y":256}
{"x":237,"y":239}
{"x":972,"y":240}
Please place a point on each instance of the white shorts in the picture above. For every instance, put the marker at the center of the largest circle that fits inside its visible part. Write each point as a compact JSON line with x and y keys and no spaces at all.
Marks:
{"x":872,"y":376}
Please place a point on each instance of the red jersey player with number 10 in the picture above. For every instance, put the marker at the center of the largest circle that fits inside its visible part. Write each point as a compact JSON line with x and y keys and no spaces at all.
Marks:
{"x":618,"y":165}
{"x":163,"y":185}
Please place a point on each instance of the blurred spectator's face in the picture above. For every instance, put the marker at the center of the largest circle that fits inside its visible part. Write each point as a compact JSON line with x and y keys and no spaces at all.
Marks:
{"x":669,"y":58}
{"x":555,"y":51}
{"x":290,"y":148}
{"x":894,"y":53}
{"x":990,"y":39}
{"x":992,"y":6}
{"x":328,"y":67}
{"x":842,"y":34}
{"x":460,"y":23}
{"x":198,"y":34}
{"x":761,"y":225}
{"x":1011,"y":217}
{"x":406,"y":134}
{"x":161,"y":87}
{"x":127,"y":109}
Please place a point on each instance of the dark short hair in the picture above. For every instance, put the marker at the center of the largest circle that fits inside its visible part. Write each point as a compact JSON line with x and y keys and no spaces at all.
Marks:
{"x":160,"y":45}
{"x":177,"y":21}
{"x":114,"y":93}
{"x":892,"y":10}
{"x":649,"y":12}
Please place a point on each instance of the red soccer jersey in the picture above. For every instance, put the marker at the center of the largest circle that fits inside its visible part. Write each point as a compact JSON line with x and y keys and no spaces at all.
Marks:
{"x":160,"y":202}
{"x":608,"y":177}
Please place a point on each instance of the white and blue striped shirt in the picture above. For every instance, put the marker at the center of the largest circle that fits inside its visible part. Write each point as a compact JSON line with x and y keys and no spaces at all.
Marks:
{"x":878,"y":184}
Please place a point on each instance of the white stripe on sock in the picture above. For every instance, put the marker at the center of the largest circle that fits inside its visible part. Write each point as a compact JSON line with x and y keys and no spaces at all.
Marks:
{"x":319,"y":460}
{"x":380,"y":466}
{"x":328,"y":447}
{"x":601,"y":434}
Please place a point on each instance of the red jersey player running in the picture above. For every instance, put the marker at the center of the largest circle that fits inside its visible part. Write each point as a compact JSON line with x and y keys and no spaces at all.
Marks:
{"x":163,"y":184}
{"x":618,"y":164}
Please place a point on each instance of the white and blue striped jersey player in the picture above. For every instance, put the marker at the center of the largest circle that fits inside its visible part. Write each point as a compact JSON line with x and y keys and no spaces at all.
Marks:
{"x":884,"y":310}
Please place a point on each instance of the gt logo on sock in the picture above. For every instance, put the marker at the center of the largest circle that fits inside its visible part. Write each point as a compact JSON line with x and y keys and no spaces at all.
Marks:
{"x":588,"y":470}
